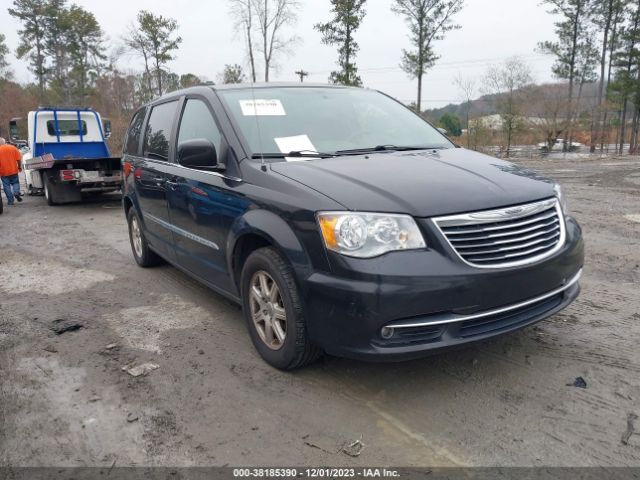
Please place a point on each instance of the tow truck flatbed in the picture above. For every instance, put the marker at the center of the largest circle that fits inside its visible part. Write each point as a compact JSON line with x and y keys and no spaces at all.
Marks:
{"x":69,"y":154}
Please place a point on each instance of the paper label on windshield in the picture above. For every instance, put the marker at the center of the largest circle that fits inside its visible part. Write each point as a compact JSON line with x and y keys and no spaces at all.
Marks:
{"x":299,"y":143}
{"x":262,"y":108}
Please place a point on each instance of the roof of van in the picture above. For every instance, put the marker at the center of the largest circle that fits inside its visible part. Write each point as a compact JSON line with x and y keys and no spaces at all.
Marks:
{"x":243,"y":86}
{"x":248,"y":86}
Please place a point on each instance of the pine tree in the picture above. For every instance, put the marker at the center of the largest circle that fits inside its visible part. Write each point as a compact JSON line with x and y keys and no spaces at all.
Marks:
{"x":340,"y":30}
{"x":574,"y":50}
{"x":85,"y":49}
{"x":153,"y":37}
{"x":625,"y":88}
{"x":32,"y":15}
{"x":428,"y":22}
{"x":4,"y":63}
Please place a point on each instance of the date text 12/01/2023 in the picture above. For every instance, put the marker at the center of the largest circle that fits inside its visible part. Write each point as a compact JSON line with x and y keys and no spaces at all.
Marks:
{"x":315,"y":473}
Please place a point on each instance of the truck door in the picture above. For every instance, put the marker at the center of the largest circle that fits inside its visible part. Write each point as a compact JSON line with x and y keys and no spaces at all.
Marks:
{"x":151,"y":173}
{"x":197,"y":201}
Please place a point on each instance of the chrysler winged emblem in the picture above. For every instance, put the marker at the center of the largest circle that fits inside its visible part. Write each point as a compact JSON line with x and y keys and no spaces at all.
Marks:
{"x":514,"y":211}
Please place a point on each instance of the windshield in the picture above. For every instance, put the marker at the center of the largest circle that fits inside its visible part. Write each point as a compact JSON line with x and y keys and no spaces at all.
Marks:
{"x":315,"y":119}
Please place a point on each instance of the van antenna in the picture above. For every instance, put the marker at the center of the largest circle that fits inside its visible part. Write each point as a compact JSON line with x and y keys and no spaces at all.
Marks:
{"x":255,"y":111}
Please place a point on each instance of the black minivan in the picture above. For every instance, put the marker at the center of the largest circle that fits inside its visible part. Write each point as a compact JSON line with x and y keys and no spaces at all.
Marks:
{"x":343,"y":222}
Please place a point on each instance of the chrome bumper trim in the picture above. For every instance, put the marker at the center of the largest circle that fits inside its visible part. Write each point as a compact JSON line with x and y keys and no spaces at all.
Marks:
{"x":451,"y":318}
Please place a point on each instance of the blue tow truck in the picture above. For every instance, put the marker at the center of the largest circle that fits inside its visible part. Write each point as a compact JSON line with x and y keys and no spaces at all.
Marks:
{"x":66,"y":153}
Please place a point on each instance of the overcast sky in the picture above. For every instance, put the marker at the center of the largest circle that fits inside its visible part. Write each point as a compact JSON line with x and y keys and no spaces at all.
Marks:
{"x":492,"y":30}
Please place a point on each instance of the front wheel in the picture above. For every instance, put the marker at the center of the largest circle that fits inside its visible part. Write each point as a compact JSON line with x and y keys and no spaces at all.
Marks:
{"x":273,"y":312}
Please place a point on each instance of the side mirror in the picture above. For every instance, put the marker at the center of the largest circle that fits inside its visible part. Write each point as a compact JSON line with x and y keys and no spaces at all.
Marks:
{"x":198,"y":153}
{"x":107,"y":128}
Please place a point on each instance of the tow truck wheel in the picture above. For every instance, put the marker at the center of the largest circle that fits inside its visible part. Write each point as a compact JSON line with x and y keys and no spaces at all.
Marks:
{"x":144,"y":256}
{"x":48,"y":193}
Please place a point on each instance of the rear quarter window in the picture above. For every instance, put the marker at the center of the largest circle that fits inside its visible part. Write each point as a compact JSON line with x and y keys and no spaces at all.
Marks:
{"x":132,"y":142}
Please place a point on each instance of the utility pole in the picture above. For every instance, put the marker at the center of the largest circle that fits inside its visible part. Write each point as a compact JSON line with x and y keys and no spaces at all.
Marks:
{"x":301,"y":73}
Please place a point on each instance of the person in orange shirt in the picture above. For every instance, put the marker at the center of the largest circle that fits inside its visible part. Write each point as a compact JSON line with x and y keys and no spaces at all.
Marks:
{"x":10,"y":158}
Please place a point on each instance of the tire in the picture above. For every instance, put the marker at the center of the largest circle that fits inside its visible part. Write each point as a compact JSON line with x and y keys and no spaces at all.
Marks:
{"x":295,"y":350}
{"x":49,"y":194}
{"x":143,"y":255}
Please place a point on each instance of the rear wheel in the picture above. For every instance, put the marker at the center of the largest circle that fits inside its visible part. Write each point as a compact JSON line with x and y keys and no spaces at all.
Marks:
{"x":144,"y":256}
{"x":273,"y":312}
{"x":49,"y":195}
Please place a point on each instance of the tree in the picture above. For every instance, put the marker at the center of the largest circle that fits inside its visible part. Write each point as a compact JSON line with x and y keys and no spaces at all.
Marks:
{"x":72,"y":50}
{"x":451,"y":123}
{"x":506,"y":82}
{"x":479,"y":132}
{"x":467,"y":86}
{"x":15,"y":100}
{"x":153,"y":37}
{"x":625,"y":88}
{"x":272,"y":16}
{"x":57,"y":29}
{"x":613,"y":46}
{"x":575,"y":51}
{"x":606,"y":18}
{"x":546,"y":107}
{"x":136,"y":42}
{"x":32,"y":15}
{"x":232,"y":74}
{"x":347,"y":17}
{"x":85,"y":48}
{"x":429,"y":21}
{"x":189,"y":80}
{"x":5,"y":73}
{"x":243,"y":13}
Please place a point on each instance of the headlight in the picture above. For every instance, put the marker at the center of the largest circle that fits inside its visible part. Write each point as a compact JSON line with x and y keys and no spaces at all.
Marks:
{"x":366,"y":235}
{"x":561,"y":199}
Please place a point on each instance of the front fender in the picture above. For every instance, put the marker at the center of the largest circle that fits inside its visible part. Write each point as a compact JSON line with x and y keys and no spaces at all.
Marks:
{"x":276,"y":231}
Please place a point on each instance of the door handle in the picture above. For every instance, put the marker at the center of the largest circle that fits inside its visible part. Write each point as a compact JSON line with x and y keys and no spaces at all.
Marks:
{"x":170,"y":184}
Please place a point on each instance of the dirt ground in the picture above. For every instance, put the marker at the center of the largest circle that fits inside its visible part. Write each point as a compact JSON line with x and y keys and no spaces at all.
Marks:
{"x":65,"y":400}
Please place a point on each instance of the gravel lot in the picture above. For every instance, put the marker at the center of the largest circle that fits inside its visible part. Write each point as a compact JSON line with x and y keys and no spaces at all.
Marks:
{"x":65,"y":400}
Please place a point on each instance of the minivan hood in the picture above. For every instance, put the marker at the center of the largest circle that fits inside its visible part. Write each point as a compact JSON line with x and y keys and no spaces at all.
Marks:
{"x":420,"y":183}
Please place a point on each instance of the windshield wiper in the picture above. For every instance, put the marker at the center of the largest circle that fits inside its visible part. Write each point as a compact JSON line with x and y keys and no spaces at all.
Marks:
{"x":294,"y":154}
{"x":386,"y":148}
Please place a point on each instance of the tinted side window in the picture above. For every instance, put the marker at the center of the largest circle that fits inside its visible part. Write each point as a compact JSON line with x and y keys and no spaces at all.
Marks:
{"x":158,"y":131}
{"x":197,"y":122}
{"x":133,"y":134}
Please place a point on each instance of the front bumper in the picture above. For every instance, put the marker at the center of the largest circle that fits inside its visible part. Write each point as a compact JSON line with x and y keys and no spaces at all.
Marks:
{"x":433,"y":301}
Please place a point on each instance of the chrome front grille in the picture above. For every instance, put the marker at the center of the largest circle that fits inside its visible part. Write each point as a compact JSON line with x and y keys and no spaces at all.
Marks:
{"x":506,"y":237}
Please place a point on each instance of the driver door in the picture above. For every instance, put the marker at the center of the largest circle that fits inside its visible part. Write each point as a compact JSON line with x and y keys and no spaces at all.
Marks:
{"x":196,"y":200}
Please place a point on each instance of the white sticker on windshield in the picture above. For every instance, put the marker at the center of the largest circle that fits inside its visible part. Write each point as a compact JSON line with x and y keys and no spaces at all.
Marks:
{"x":299,"y":143}
{"x":262,"y":108}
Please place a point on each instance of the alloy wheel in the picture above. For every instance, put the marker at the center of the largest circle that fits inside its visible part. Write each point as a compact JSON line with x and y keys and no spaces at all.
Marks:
{"x":136,"y":236}
{"x":267,"y":310}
